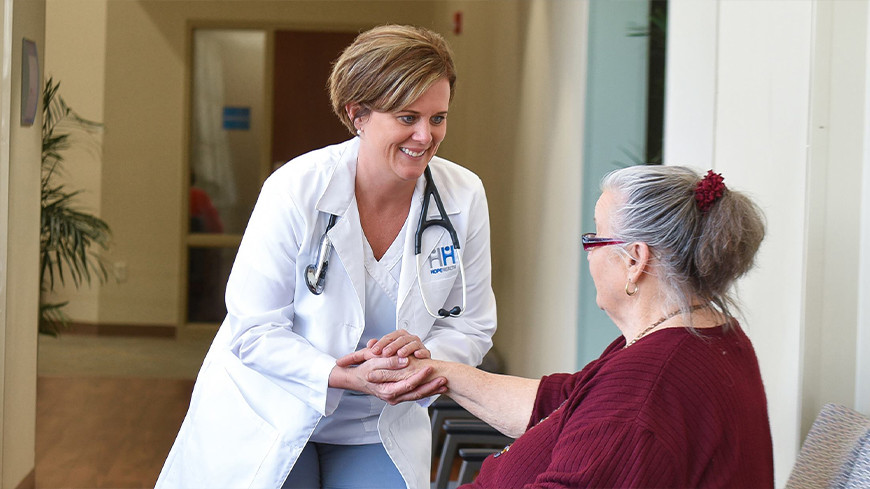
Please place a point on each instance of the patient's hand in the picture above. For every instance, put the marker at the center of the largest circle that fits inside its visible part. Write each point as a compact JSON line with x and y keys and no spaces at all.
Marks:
{"x":399,"y":342}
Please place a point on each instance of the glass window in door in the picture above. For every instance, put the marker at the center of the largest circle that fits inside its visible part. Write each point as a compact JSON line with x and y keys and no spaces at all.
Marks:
{"x":227,"y":162}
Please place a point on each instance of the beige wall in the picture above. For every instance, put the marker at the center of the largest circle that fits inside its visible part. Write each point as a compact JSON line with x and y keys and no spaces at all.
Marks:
{"x":141,"y":189}
{"x":75,"y":40}
{"x":5,"y":121}
{"x":516,"y":121}
{"x":18,"y":341}
{"x":538,"y":309}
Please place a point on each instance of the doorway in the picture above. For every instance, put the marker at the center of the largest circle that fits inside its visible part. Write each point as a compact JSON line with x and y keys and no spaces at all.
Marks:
{"x":258,"y":99}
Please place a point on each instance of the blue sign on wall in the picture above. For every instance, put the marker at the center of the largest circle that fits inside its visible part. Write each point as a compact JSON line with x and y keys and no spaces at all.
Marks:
{"x":237,"y":118}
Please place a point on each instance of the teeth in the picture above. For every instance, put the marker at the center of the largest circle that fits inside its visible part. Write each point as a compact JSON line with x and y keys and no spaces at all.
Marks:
{"x":411,"y":153}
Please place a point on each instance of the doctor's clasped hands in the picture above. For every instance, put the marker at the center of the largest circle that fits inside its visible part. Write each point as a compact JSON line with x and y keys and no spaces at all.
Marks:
{"x":383,"y":369}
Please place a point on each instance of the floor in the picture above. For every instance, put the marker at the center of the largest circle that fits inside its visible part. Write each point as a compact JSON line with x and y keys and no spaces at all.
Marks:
{"x":108,"y":408}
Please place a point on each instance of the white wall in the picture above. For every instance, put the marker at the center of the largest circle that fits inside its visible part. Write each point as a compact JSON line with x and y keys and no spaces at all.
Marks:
{"x":20,"y":147}
{"x":838,"y":122}
{"x":862,"y":378}
{"x":769,"y":93}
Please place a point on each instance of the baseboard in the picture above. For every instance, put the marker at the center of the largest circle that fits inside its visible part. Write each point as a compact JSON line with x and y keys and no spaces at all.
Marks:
{"x":153,"y":331}
{"x":29,"y":482}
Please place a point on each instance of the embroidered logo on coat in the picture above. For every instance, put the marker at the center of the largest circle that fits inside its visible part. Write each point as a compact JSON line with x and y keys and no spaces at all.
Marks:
{"x":442,"y":259}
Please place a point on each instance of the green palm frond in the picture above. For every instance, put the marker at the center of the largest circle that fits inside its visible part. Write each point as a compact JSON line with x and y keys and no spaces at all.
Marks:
{"x":71,"y":241}
{"x":52,"y":319}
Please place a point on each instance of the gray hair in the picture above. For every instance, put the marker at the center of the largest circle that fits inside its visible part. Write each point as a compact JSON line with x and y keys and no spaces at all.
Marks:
{"x":699,"y":254}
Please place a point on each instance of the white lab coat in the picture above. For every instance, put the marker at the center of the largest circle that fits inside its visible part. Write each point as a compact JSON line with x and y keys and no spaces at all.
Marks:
{"x":263,"y":386}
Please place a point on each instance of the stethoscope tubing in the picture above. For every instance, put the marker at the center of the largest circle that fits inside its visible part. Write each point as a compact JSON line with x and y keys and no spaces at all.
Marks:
{"x":315,"y":274}
{"x":432,"y":191}
{"x":443,"y":313}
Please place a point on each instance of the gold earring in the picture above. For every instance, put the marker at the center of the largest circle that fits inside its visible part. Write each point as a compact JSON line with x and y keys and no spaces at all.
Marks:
{"x":630,"y":293}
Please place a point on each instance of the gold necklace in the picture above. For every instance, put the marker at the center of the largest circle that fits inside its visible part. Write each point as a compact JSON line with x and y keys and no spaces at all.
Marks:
{"x":660,"y":321}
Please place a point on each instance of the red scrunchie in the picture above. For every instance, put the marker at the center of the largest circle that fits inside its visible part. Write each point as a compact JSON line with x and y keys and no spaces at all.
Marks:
{"x":708,"y":190}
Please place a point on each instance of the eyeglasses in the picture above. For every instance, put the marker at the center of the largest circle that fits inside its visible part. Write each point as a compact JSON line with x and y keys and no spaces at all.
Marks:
{"x":590,"y":240}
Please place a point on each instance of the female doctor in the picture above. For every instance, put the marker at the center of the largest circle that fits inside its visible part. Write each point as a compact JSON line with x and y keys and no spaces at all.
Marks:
{"x":327,"y":265}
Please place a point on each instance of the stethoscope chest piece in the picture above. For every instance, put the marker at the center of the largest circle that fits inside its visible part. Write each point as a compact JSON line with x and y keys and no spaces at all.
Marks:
{"x":315,"y":281}
{"x":315,"y":275}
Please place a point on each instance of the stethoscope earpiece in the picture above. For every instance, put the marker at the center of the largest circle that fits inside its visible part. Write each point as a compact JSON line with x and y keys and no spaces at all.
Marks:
{"x":453,"y":313}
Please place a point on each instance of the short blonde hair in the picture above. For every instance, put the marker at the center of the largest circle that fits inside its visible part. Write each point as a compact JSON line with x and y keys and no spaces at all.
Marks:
{"x":387,"y":68}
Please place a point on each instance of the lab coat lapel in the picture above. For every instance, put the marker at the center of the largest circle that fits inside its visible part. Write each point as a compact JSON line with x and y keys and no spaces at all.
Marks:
{"x":431,"y":238}
{"x":346,"y":235}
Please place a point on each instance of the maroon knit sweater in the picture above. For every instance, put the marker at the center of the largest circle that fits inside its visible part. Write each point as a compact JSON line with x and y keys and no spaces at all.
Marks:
{"x":674,"y":410}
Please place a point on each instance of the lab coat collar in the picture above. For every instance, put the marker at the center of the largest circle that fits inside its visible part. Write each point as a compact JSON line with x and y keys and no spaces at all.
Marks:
{"x":339,"y":191}
{"x":338,"y":198}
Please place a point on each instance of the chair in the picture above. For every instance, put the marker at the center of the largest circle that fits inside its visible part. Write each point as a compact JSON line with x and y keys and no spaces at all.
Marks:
{"x":441,"y":410}
{"x":859,"y":477}
{"x":445,"y":409}
{"x":835,"y":453}
{"x":472,"y":459}
{"x":462,"y":433}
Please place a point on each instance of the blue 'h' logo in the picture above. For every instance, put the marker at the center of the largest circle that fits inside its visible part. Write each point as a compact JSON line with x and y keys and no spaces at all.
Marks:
{"x":448,"y":252}
{"x":438,"y":259}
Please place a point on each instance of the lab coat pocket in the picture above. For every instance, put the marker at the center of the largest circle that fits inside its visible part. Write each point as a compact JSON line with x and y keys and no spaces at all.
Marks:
{"x":437,"y":290}
{"x":228,"y":440}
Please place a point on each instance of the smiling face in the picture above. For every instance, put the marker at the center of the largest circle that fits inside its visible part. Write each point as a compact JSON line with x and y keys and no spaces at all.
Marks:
{"x":398,"y":145}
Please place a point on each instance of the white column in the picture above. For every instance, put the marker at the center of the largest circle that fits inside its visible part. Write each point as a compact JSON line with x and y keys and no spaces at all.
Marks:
{"x":738,"y":101}
{"x":862,"y":354}
{"x":5,"y":115}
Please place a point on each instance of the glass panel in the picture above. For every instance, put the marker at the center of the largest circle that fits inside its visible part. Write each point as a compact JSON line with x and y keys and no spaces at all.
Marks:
{"x":226,"y":159}
{"x":226,"y":128}
{"x":208,"y":271}
{"x":616,"y":100}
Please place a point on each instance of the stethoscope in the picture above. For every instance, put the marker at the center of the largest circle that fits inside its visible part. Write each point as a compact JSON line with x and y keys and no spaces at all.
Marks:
{"x":315,"y":274}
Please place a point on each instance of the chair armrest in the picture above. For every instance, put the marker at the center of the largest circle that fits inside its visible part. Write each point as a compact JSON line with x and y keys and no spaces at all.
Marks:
{"x":440,"y":410}
{"x":472,"y":460}
{"x":476,"y":454}
{"x":464,"y":432}
{"x":469,"y":427}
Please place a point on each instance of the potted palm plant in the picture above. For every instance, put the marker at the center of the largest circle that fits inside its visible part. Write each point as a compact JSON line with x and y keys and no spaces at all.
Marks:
{"x":70,"y":239}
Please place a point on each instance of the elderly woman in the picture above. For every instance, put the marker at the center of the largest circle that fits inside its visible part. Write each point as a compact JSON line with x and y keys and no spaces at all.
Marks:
{"x":677,"y":400}
{"x":341,"y":249}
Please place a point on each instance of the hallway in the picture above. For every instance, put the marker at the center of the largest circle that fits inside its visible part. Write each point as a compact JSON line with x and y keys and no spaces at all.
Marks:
{"x":108,"y":409}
